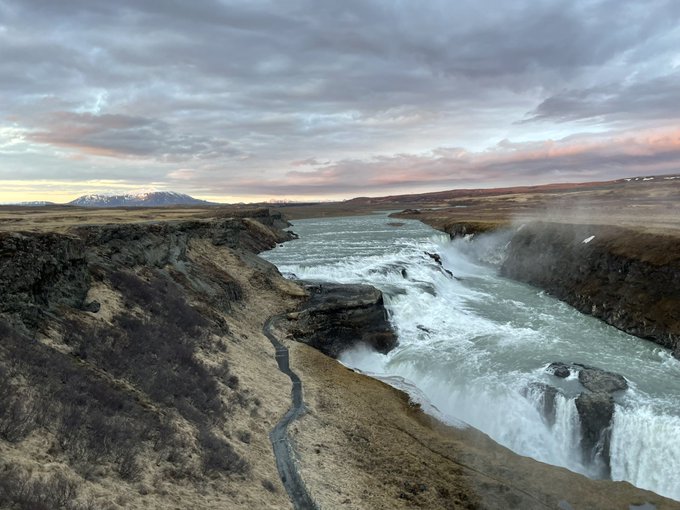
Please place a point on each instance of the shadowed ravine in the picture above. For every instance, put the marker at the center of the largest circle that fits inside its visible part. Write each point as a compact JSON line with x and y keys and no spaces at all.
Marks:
{"x":283,"y":450}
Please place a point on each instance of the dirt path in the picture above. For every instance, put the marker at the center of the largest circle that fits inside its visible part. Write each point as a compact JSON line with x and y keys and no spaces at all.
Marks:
{"x":283,"y":449}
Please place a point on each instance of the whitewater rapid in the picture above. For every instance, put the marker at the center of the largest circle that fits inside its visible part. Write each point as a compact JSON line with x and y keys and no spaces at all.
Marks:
{"x":472,"y":343}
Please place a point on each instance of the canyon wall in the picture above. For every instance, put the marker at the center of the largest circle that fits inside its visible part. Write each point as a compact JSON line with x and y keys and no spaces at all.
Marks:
{"x":629,"y":279}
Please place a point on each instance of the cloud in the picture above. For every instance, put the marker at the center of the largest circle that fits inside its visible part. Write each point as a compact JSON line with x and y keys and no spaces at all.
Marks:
{"x":654,"y":99}
{"x":309,"y":162}
{"x":124,"y":136}
{"x":144,"y":89}
{"x":580,"y":158}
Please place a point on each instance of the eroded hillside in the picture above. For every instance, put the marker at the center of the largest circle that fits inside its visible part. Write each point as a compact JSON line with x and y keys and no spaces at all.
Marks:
{"x":133,"y":368}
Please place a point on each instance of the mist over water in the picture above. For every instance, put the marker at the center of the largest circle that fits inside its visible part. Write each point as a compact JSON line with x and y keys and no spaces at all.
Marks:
{"x":471,"y":344}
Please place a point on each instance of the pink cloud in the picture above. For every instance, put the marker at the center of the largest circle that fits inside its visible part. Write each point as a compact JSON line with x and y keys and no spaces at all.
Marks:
{"x":585,"y":157}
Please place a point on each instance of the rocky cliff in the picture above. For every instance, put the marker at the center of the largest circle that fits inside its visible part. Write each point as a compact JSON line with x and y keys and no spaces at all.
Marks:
{"x":123,"y":382}
{"x":41,"y":272}
{"x":336,"y":317}
{"x":629,"y":279}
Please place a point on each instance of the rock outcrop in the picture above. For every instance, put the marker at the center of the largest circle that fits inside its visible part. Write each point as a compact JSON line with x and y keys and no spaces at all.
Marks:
{"x":595,"y":412}
{"x":337,"y":317}
{"x":591,"y":378}
{"x":630,"y":280}
{"x":43,"y":271}
{"x":595,"y":407}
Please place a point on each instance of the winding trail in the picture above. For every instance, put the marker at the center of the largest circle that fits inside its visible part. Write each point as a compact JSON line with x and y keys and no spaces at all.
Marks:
{"x":283,"y":449}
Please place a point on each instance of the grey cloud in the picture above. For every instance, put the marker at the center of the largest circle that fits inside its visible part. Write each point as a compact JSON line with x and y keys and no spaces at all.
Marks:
{"x":657,"y":98}
{"x":578,"y":158}
{"x":240,"y":86}
{"x":126,"y":136}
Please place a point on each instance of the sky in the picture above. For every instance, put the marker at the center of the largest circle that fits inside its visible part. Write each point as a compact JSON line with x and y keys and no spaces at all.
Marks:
{"x":323,"y":100}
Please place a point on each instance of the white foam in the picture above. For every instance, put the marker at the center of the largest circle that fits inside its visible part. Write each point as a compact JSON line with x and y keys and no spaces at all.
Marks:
{"x":470,"y":345}
{"x":645,"y":450}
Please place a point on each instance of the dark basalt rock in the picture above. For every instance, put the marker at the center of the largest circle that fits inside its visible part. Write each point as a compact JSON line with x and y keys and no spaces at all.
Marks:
{"x":41,"y":272}
{"x":435,"y":256}
{"x":592,"y":378}
{"x":601,"y":381}
{"x":595,"y":412}
{"x":438,"y":259}
{"x":92,"y":306}
{"x":628,"y":279}
{"x":336,"y":317}
{"x":595,"y":408}
{"x":559,"y":369}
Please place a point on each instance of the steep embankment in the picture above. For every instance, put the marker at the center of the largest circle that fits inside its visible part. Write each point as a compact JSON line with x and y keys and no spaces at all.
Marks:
{"x":628,"y":279}
{"x":133,"y":368}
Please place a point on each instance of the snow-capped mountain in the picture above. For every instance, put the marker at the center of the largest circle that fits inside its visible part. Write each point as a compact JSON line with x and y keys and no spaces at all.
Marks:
{"x":147,"y":199}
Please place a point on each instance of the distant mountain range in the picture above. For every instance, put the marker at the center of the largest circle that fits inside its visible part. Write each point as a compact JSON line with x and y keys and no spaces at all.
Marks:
{"x":149,"y":199}
{"x":36,"y":203}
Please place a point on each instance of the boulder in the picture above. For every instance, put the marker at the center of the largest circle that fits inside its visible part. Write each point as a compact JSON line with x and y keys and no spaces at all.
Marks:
{"x":559,"y":369}
{"x":595,"y":408}
{"x":595,"y":411}
{"x":435,"y":256}
{"x":593,"y":379}
{"x":601,"y":381}
{"x":336,"y":317}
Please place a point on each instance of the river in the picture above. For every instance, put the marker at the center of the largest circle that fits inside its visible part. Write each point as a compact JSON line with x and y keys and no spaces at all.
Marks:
{"x":471,"y":343}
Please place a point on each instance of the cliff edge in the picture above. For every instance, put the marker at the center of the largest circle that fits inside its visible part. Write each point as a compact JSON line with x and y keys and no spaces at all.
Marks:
{"x":628,"y":279}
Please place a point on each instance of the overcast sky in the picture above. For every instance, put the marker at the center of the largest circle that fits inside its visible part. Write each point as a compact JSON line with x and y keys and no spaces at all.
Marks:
{"x":310,"y":99}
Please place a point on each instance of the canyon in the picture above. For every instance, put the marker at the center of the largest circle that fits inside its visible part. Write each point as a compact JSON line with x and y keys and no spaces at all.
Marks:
{"x":136,"y":374}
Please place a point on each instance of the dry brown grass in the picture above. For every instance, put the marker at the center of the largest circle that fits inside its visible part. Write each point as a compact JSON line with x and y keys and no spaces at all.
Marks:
{"x":223,"y":460}
{"x":61,"y":218}
{"x":648,"y":207}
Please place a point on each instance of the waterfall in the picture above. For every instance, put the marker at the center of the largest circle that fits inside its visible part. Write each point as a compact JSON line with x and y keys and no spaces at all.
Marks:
{"x":473,"y":346}
{"x":645,"y":449}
